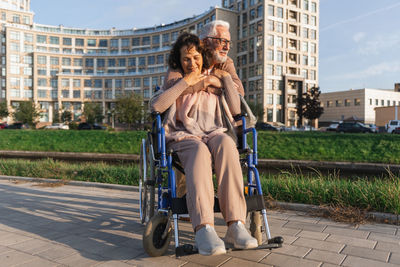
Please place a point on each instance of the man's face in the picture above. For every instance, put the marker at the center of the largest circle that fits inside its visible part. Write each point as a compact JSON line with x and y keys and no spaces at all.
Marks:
{"x":220,"y":44}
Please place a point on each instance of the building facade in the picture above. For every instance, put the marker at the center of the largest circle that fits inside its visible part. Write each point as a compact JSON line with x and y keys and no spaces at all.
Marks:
{"x":277,"y":53}
{"x":275,"y":49}
{"x":61,"y":68}
{"x":360,"y":103}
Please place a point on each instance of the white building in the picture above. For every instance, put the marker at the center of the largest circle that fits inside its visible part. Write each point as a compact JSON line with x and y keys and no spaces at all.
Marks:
{"x":358,"y":102}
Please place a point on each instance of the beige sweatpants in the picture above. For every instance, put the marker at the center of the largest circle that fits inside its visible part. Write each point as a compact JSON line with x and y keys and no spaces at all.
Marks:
{"x":196,"y":158}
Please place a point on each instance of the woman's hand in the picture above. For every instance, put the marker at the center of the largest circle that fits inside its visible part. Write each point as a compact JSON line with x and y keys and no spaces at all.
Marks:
{"x":192,"y":78}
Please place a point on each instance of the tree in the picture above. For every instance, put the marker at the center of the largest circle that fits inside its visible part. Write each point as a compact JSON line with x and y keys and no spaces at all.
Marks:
{"x":258,"y":110}
{"x":66,"y":116}
{"x":309,"y":105}
{"x":93,"y":112}
{"x":4,"y":110}
{"x":56,"y":116}
{"x":129,"y":109}
{"x":27,"y":112}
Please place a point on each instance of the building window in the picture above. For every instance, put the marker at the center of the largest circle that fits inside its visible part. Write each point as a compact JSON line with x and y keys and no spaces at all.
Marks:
{"x":79,"y":42}
{"x":357,"y":102}
{"x":146,"y":40}
{"x":114,"y":43}
{"x":279,"y":12}
{"x":91,"y":42}
{"x":136,"y":41}
{"x":42,"y":93}
{"x":101,"y":62}
{"x":132,"y":62}
{"x":89,"y":62}
{"x":270,"y":99}
{"x":103,"y":43}
{"x":339,"y":103}
{"x":41,"y":39}
{"x":78,"y":62}
{"x":347,"y":102}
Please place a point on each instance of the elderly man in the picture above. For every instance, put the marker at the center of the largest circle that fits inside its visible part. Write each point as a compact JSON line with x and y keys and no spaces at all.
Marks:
{"x":217,"y":39}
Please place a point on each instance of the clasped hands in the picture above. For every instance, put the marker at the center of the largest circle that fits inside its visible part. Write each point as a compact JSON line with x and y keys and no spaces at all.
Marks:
{"x":212,"y":83}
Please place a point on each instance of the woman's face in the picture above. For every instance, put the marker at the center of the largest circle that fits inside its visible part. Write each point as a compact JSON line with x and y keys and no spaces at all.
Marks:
{"x":191,"y":60}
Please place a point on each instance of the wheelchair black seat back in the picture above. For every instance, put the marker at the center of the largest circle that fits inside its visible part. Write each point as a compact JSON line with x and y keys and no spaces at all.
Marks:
{"x":161,"y":214}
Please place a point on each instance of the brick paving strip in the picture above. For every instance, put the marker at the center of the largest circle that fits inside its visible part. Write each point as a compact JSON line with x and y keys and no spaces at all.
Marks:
{"x":72,"y":225}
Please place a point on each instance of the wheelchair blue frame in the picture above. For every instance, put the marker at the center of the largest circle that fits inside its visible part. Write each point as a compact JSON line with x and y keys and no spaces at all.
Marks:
{"x":164,"y":164}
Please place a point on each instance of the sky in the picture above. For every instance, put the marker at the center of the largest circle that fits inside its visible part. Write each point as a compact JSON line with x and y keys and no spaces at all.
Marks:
{"x":359,"y":39}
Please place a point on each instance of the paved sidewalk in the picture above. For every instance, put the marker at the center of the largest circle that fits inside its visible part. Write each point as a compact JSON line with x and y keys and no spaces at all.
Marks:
{"x":87,"y":226}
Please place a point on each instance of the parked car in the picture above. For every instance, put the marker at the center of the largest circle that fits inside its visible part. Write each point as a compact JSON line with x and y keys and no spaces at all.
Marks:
{"x":391,"y":125}
{"x":290,"y":129}
{"x":373,"y":127}
{"x":306,"y":128}
{"x":3,"y":125}
{"x":57,"y":126}
{"x":396,"y":131}
{"x":18,"y":125}
{"x":353,"y":127}
{"x":267,"y":127}
{"x":332,"y":127}
{"x":96,"y":126}
{"x":88,"y":126}
{"x":84,"y":126}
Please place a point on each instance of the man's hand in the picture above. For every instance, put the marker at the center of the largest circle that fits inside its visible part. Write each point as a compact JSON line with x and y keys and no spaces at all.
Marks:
{"x":213,"y":81}
{"x":193,"y":78}
{"x":220,"y":73}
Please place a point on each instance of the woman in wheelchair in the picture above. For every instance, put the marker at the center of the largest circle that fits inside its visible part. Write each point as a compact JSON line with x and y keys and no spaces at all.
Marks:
{"x":195,"y":131}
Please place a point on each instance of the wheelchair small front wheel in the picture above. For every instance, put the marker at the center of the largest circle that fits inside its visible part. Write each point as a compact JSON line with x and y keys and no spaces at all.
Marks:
{"x":153,"y":243}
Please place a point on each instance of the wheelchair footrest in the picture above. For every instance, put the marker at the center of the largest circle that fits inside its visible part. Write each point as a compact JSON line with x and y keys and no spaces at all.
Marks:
{"x":262,"y":246}
{"x":185,"y":250}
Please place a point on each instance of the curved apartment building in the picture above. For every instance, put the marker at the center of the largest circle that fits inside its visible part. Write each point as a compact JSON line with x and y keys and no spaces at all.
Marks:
{"x":61,"y":68}
{"x":275,"y":48}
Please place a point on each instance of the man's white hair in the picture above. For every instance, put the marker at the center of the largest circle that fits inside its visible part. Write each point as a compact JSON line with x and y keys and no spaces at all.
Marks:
{"x":210,"y":28}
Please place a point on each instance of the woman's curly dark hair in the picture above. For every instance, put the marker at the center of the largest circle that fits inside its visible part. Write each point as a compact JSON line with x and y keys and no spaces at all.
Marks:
{"x":189,"y":40}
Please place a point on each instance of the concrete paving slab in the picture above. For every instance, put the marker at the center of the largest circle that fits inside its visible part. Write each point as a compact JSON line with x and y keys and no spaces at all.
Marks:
{"x":325,"y":256}
{"x":322,"y":245}
{"x":88,"y":226}
{"x":358,"y":242}
{"x":366,"y":253}
{"x":395,"y":258}
{"x":352,"y":261}
{"x":386,"y":246}
{"x":289,"y":261}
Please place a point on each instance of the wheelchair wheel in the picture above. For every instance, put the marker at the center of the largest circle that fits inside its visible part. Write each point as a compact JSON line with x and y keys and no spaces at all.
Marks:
{"x":255,"y":226}
{"x":153,"y":243}
{"x":146,"y":181}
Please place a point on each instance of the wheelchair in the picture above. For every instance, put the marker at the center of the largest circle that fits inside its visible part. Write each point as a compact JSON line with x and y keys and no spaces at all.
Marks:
{"x":157,"y":173}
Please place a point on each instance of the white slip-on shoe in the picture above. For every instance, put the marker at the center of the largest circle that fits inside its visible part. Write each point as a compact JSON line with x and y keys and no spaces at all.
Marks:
{"x":208,"y":242}
{"x":238,"y":235}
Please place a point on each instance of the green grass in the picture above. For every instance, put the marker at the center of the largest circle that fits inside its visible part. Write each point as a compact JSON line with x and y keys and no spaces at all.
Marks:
{"x":317,"y":146}
{"x":71,"y":141}
{"x":374,"y":194}
{"x":383,"y":148}
{"x":88,"y":172}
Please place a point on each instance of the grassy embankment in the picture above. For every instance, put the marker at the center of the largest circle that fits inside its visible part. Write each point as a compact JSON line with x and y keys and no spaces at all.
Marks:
{"x":377,"y":194}
{"x":382,"y":148}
